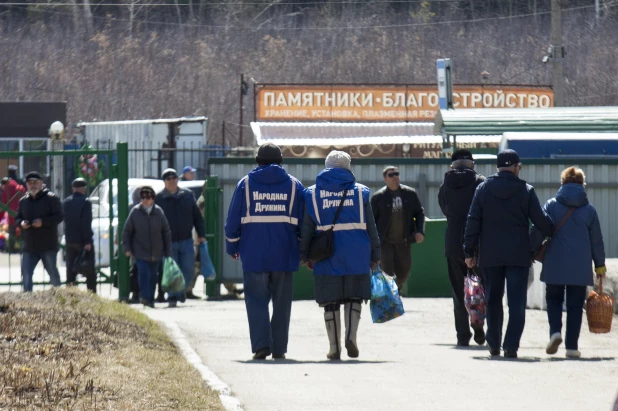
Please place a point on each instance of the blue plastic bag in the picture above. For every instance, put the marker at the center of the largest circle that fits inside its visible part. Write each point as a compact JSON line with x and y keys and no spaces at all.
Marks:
{"x":385,"y":301}
{"x":207,"y":268}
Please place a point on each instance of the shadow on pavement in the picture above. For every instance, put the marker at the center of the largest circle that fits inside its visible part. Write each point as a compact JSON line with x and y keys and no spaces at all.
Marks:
{"x":295,"y":362}
{"x":459,"y":347}
{"x":591,"y":359}
{"x":500,"y":358}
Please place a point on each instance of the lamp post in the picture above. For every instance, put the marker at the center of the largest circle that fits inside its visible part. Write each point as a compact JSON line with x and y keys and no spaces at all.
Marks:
{"x":56,"y":135}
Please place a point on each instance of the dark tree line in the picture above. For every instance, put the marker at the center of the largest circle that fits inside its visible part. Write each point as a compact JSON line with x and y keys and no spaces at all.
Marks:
{"x":140,"y":60}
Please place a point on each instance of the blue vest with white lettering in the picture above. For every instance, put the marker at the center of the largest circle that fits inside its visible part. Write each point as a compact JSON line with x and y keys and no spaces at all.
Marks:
{"x":352,"y":244}
{"x":263,"y":222}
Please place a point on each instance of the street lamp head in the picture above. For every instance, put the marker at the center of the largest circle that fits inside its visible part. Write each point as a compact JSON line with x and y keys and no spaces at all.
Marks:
{"x":485,"y":76}
{"x":56,"y":130}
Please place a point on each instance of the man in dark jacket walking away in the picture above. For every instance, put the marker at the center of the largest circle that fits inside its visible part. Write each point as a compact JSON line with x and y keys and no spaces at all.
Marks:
{"x":263,"y":231}
{"x":455,"y":197}
{"x":78,"y":234}
{"x":498,"y":224}
{"x":38,"y":215}
{"x":183,"y":215}
{"x":400,"y":219}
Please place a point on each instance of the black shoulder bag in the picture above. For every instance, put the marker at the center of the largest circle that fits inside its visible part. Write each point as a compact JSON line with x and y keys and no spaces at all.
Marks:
{"x":322,"y":245}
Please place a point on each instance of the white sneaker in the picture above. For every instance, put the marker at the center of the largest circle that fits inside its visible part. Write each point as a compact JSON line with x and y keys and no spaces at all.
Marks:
{"x":554,"y":342}
{"x":573,"y":354}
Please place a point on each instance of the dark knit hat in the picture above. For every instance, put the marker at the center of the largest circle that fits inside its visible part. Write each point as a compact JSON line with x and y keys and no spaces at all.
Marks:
{"x":269,"y":153}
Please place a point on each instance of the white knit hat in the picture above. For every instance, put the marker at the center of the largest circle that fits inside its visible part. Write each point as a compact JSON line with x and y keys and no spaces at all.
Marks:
{"x":338,"y":159}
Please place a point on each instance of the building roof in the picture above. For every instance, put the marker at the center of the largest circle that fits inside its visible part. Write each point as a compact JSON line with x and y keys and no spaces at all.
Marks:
{"x":268,"y":131}
{"x":357,"y":141}
{"x":151,"y":121}
{"x":492,"y":121}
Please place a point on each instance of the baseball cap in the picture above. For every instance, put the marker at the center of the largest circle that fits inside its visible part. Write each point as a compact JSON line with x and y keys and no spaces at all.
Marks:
{"x":508,"y":158}
{"x":33,"y":175}
{"x":188,"y":169}
{"x":462,"y":155}
{"x":168,"y":172}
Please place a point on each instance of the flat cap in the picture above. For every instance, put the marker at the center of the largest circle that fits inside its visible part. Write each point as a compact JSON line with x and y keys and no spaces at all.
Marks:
{"x":33,"y":175}
{"x":79,"y":183}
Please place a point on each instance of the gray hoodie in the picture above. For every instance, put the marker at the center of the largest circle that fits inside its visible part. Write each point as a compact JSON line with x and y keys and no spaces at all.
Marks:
{"x":147,"y":235}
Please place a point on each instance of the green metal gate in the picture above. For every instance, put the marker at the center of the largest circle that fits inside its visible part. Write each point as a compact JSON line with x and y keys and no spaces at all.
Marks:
{"x":115,"y":208}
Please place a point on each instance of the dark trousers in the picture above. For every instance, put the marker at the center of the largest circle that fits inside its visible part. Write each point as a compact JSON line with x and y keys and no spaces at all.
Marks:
{"x":73,"y":250}
{"x":266,"y":332}
{"x":516,"y":279}
{"x":133,"y":275}
{"x":575,"y":297}
{"x":397,"y":260}
{"x":147,"y":274}
{"x":457,"y":271}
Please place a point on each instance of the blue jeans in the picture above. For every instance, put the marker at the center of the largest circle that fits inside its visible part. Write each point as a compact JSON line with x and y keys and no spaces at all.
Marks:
{"x":184,"y":255}
{"x":265,"y":332}
{"x":517,"y":293}
{"x":147,"y":274}
{"x":575,"y":297}
{"x":29,"y":261}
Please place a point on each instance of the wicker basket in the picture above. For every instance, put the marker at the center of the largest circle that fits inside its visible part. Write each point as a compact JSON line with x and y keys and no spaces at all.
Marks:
{"x":600,"y":310}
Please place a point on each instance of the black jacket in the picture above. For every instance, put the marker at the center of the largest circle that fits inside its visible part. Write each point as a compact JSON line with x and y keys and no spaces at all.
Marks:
{"x":498,"y":221}
{"x":147,"y":236}
{"x":78,"y":227}
{"x":182,"y":214}
{"x":47,"y":207}
{"x":413,"y":213}
{"x":455,"y":197}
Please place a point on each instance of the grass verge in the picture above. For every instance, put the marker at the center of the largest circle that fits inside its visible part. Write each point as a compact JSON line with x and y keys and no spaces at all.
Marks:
{"x":67,"y":349}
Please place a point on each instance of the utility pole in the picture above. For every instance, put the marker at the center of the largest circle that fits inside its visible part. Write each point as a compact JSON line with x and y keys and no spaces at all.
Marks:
{"x":557,"y":53}
{"x":242,"y":80}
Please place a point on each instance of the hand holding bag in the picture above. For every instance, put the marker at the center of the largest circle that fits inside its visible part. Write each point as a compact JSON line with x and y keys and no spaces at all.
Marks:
{"x":474,"y":298}
{"x":322,"y":245}
{"x":539,"y":255}
{"x":385,"y":302}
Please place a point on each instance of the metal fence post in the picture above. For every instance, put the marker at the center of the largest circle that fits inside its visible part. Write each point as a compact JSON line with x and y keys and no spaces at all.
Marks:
{"x":212,"y":211}
{"x":122,"y":160}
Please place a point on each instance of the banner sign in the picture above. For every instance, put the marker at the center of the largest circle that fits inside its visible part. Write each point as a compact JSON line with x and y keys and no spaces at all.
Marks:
{"x":386,"y":103}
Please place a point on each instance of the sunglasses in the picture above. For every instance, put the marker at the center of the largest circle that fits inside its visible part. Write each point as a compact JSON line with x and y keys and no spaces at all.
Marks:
{"x":395,"y":174}
{"x":145,"y":195}
{"x":171,"y":178}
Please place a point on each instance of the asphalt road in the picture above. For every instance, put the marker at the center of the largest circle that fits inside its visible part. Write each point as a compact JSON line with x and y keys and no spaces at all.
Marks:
{"x":410,"y":363}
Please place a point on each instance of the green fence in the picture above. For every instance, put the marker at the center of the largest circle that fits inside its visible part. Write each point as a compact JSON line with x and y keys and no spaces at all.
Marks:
{"x":10,"y":264}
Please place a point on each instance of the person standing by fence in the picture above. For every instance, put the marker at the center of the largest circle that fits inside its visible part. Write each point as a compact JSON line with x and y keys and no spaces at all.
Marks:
{"x":12,"y":192}
{"x":38,"y":216}
{"x":78,"y":234}
{"x":400,"y":219}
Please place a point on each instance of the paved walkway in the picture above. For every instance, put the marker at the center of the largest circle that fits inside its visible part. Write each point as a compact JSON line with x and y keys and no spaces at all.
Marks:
{"x":407,"y":364}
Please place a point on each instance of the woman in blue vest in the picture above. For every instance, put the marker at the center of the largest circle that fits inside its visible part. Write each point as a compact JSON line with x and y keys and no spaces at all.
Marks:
{"x":344,"y":278}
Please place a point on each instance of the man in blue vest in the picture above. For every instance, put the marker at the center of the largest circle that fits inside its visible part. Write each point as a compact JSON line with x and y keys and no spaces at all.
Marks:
{"x":263,"y":231}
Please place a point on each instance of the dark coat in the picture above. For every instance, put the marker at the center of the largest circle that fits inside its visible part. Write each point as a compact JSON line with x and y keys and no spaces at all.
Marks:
{"x":182,"y":214}
{"x":498,"y":222}
{"x":578,"y":243}
{"x":413,"y":213}
{"x":47,"y":207}
{"x":147,"y":236}
{"x":455,"y":197}
{"x":78,"y":228}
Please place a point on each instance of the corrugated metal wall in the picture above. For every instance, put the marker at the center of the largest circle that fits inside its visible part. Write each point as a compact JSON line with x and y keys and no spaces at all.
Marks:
{"x":426,"y":177}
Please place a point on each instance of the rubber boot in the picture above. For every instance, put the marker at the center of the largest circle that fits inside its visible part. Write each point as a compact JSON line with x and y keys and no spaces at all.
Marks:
{"x":333,"y":329}
{"x":352,"y":313}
